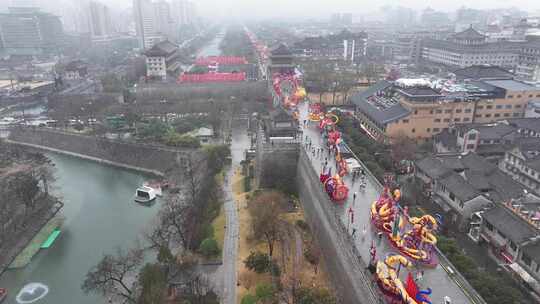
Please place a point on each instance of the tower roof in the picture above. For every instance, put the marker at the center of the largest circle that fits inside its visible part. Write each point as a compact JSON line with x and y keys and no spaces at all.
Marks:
{"x":469,"y":34}
{"x":163,"y":48}
{"x":281,"y":50}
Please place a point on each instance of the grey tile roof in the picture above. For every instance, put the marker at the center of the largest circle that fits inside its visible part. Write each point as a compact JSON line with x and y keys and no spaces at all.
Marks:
{"x":469,"y":33}
{"x":453,"y":162}
{"x":505,"y":187}
{"x":432,"y":167}
{"x":381,"y":116}
{"x":457,"y":185}
{"x":491,"y":150}
{"x":533,"y":251}
{"x":497,"y":131}
{"x":526,"y":123}
{"x":483,"y":72}
{"x":528,"y":144}
{"x":534,"y":163}
{"x":489,"y":131}
{"x":513,"y":227}
{"x":448,"y":139}
{"x":281,"y":50}
{"x":512,"y":85}
{"x":477,"y":179}
{"x":163,"y":48}
{"x":475,"y":162}
{"x":477,"y":176}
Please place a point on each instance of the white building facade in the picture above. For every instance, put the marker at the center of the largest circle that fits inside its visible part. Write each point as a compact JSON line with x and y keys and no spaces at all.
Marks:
{"x":469,"y":48}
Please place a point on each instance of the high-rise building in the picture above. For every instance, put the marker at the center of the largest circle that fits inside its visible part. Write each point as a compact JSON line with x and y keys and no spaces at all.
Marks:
{"x":432,"y":18}
{"x":179,"y":11}
{"x":184,"y":12}
{"x":341,"y":19}
{"x":29,"y":31}
{"x":192,"y":12}
{"x":346,"y":19}
{"x":162,"y":17}
{"x":146,"y":23}
{"x":100,"y":20}
{"x":345,"y":46}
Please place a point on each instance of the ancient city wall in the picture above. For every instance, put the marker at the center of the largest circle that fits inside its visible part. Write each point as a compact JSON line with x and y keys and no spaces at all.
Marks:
{"x":153,"y":159}
{"x":348,"y":274}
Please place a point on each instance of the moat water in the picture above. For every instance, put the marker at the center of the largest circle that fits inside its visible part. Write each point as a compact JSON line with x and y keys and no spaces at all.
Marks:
{"x":100,"y":217}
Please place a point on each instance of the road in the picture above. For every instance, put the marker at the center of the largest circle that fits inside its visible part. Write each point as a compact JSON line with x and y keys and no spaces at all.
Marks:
{"x":240,"y":142}
{"x":435,"y":278}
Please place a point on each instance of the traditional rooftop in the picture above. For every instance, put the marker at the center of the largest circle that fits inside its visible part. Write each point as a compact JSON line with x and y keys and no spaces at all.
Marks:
{"x":512,"y":85}
{"x":532,"y":250}
{"x":460,"y":187}
{"x":526,"y":123}
{"x":470,"y":175}
{"x":483,"y":72}
{"x":469,"y":34}
{"x":510,"y":224}
{"x":281,"y":50}
{"x":161,"y":49}
{"x":489,"y":131}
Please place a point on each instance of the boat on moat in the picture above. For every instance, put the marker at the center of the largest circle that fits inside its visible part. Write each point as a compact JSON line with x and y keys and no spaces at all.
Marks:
{"x":145,"y":194}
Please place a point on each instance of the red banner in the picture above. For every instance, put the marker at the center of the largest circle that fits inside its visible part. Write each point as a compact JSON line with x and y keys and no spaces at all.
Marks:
{"x":211,"y":77}
{"x":224,"y":60}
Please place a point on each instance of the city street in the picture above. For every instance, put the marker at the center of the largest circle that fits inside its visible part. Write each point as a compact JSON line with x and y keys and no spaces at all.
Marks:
{"x":437,"y":278}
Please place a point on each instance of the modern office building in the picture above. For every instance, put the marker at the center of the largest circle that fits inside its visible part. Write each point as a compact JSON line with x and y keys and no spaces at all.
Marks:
{"x":418,"y":109}
{"x":183,"y":12}
{"x":29,"y":31}
{"x":346,"y":46}
{"x":163,"y":18}
{"x":100,"y":20}
{"x":468,"y":48}
{"x":528,"y":68}
{"x":407,"y":45}
{"x":152,"y":20}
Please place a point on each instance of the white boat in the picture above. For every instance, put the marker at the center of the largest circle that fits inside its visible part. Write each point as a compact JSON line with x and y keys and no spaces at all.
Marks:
{"x":145,"y":194}
{"x":154,"y":185}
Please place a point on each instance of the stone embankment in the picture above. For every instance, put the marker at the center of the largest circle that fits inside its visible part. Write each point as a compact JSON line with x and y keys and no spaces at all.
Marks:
{"x":152,"y":159}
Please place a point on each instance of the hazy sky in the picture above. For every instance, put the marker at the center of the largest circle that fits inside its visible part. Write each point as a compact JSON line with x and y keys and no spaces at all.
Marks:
{"x":267,"y":8}
{"x":319,"y":8}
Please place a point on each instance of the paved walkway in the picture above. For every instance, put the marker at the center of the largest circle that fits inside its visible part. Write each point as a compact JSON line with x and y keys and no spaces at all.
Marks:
{"x":240,"y":142}
{"x":435,"y":278}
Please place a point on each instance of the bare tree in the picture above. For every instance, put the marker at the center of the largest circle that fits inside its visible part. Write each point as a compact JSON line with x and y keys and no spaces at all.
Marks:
{"x":313,"y":255}
{"x":174,"y":225}
{"x":110,"y":277}
{"x":195,"y":174}
{"x":25,"y":187}
{"x":403,"y":148}
{"x":265,"y":210}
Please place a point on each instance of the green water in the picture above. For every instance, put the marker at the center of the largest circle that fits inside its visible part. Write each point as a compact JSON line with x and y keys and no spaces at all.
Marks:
{"x":100,"y":216}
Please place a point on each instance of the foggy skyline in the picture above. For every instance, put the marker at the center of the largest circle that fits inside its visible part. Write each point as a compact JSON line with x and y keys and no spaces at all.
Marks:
{"x":309,"y":8}
{"x":304,"y":8}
